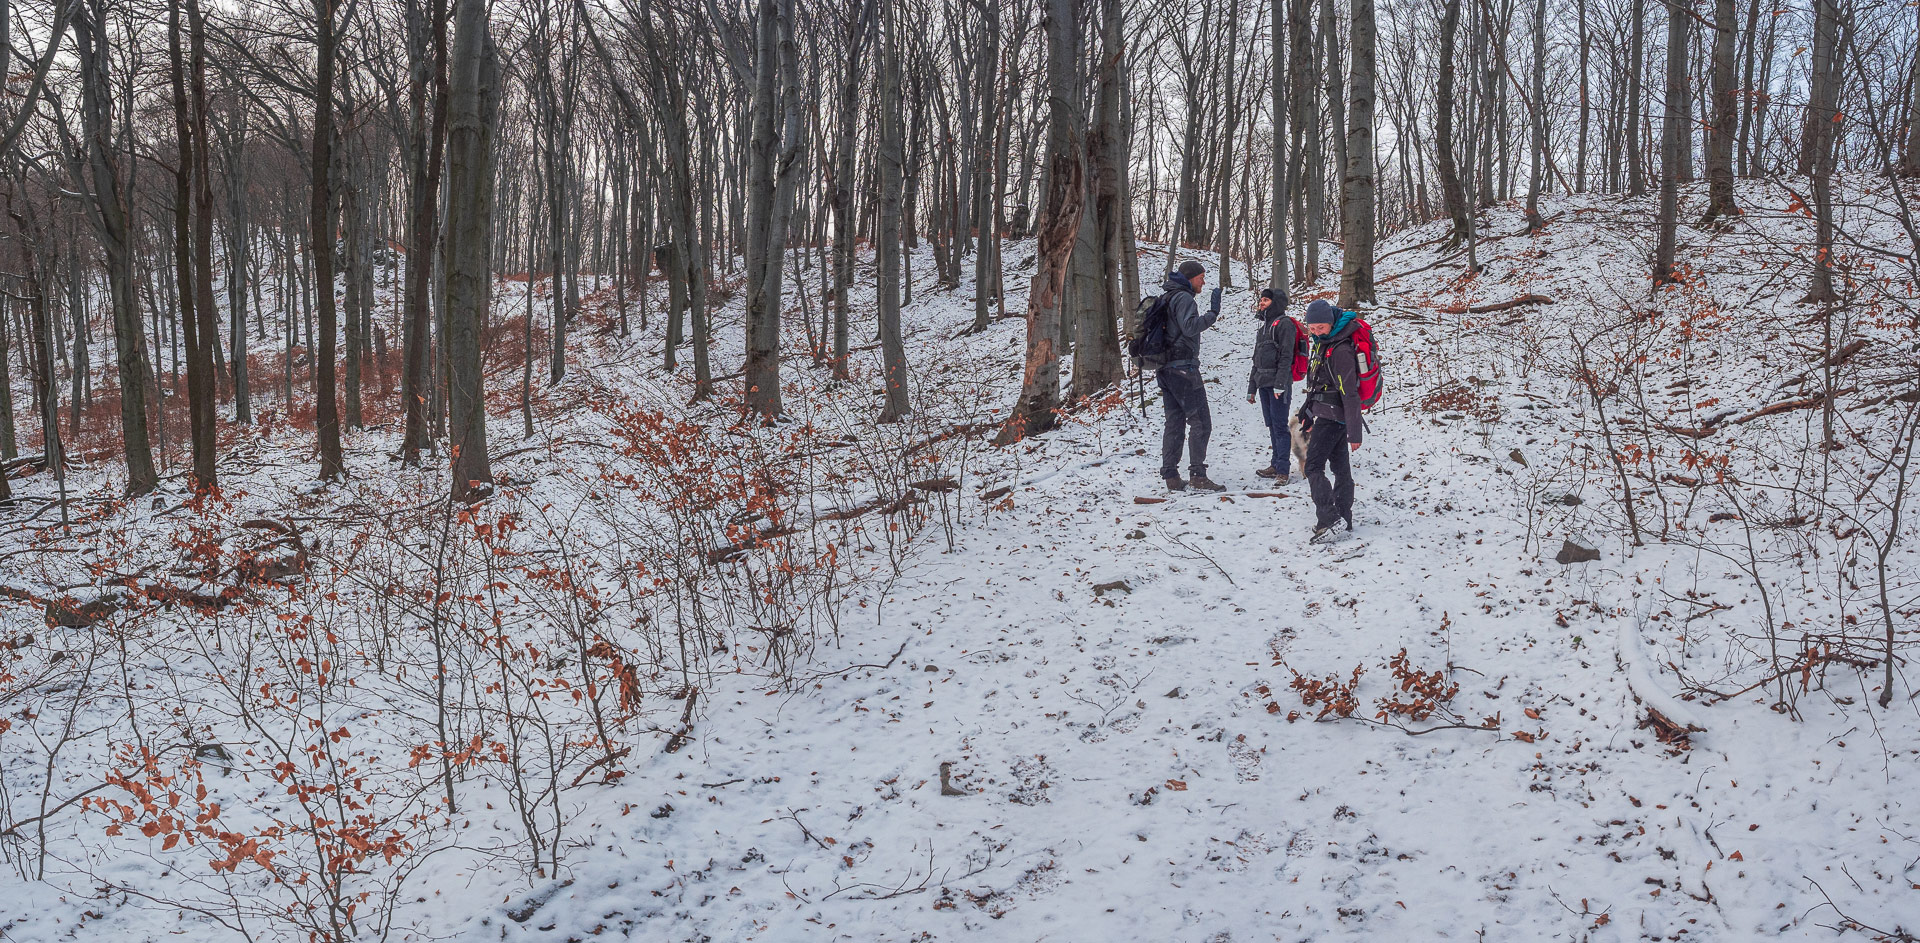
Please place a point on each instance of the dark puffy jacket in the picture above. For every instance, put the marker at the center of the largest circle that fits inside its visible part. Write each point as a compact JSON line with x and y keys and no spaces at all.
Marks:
{"x":1274,"y":347}
{"x":1333,"y":380}
{"x":1185,"y":320}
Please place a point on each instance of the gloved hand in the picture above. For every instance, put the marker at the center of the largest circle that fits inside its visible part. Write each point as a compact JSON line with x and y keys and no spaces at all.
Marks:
{"x":1216,"y":299}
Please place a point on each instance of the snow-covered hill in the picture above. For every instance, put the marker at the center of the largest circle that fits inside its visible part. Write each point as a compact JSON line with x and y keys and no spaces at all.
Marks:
{"x":1078,"y":707}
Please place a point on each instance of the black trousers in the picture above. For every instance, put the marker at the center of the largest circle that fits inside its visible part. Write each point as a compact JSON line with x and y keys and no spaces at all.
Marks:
{"x":1188,"y":421}
{"x":1328,"y":446}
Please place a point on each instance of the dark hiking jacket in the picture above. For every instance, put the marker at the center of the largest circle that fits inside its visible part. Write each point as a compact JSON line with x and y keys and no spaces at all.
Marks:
{"x":1185,"y":320}
{"x":1333,"y":379}
{"x":1275,"y":345}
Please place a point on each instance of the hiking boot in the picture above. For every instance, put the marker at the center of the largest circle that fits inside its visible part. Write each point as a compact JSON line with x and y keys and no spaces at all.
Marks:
{"x":1321,"y":535}
{"x":1176,"y":483}
{"x":1349,"y":520}
{"x":1203,"y":483}
{"x":1268,"y":472}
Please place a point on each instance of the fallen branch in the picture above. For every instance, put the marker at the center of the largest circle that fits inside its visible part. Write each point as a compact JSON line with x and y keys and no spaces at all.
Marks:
{"x":1526,"y":299}
{"x":1806,"y":402}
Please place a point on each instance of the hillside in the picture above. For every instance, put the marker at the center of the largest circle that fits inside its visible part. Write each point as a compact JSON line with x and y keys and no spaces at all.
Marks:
{"x":703,"y":679}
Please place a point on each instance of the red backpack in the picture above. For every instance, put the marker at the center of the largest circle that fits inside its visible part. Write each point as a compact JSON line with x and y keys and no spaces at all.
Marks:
{"x":1366,"y":360}
{"x":1299,"y":351}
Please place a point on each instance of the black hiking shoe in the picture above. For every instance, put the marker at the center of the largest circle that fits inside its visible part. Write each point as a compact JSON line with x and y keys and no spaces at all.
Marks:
{"x":1349,"y":520}
{"x":1203,"y":483}
{"x":1176,"y":483}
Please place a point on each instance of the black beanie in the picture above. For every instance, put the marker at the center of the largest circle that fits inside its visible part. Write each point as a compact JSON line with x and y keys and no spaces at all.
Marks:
{"x":1319,"y":312}
{"x":1191,"y":269}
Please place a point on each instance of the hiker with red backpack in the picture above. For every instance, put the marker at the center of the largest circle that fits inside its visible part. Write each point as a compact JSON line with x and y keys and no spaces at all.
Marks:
{"x":1342,"y":379}
{"x":1279,"y":359}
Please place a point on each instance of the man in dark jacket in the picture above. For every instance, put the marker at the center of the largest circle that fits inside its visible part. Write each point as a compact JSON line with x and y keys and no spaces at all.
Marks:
{"x":1181,"y":391}
{"x":1275,"y":345}
{"x":1333,"y":408}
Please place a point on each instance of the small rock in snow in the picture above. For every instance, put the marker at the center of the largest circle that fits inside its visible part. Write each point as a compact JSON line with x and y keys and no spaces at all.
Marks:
{"x":1571,"y":552}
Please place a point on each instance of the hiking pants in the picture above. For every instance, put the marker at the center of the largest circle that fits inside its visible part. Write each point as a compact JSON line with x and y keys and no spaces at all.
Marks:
{"x":1332,"y":503}
{"x":1188,"y":420}
{"x":1276,"y":413}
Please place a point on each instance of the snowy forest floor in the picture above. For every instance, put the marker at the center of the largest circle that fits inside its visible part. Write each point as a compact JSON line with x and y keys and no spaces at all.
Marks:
{"x":1110,"y":682}
{"x":1113,"y":685}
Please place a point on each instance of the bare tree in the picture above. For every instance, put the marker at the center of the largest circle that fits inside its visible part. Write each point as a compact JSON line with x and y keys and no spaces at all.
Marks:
{"x":1037,"y":409}
{"x":1452,"y":193}
{"x":1672,"y":131}
{"x":1724,"y":123}
{"x":893,"y":356}
{"x":191,"y":241}
{"x":1357,"y":193}
{"x":110,"y":203}
{"x":321,"y":232}
{"x":472,"y":107}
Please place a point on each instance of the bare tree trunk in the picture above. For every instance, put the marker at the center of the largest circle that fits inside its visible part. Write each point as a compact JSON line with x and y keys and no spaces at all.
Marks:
{"x":1314,"y":163}
{"x":1537,"y":109}
{"x":762,"y":369}
{"x":1223,"y":196}
{"x":1301,"y":91}
{"x":239,"y":273}
{"x":1357,"y":196}
{"x":1452,"y":193}
{"x":1123,"y":161}
{"x":1586,"y":102}
{"x":1813,"y":130}
{"x":1037,"y":410}
{"x":1725,"y":122}
{"x":1910,"y":161}
{"x":1672,"y":130}
{"x":1749,"y":97}
{"x":1817,"y":157}
{"x":200,"y":376}
{"x":1282,"y":182}
{"x":1636,"y":176}
{"x":326,"y":406}
{"x":473,"y":101}
{"x":986,"y":273}
{"x":1763,"y":97}
{"x":1337,"y":126}
{"x":110,"y":206}
{"x":1096,"y":361}
{"x":886,"y":243}
{"x":859,"y":29}
{"x":427,"y":107}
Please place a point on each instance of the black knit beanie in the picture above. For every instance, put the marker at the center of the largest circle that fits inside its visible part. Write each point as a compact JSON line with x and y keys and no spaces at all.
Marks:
{"x":1192,"y":269}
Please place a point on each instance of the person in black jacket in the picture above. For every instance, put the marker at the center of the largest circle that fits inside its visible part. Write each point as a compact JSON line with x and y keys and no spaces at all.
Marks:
{"x":1181,"y":392}
{"x":1270,"y":382}
{"x":1333,"y":409}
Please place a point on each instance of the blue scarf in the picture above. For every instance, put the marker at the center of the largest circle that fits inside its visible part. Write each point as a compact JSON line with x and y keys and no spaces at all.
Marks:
{"x":1320,"y":343}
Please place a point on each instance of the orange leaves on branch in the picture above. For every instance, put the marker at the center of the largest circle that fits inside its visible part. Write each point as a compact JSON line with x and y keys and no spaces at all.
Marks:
{"x":1417,"y":695}
{"x":1426,"y":691}
{"x":1335,"y":697}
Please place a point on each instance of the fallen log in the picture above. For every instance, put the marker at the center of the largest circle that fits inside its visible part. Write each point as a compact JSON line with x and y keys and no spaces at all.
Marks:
{"x":1526,"y":299}
{"x":940,"y":485}
{"x":1805,"y":402}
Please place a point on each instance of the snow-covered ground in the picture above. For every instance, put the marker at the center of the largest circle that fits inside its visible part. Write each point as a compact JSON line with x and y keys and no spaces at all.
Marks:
{"x":1078,"y":718}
